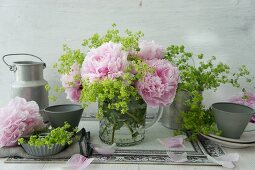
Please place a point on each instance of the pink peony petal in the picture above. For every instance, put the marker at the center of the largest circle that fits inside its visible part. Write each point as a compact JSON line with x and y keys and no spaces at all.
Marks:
{"x":177,"y":157}
{"x":79,"y":162}
{"x":150,"y":50}
{"x":106,"y":61}
{"x":247,"y":99}
{"x":106,"y":150}
{"x":225,"y":160}
{"x":173,"y":142}
{"x":229,"y":157}
{"x":159,"y":88}
{"x":73,"y":94}
{"x":72,"y":83}
{"x":18,"y":118}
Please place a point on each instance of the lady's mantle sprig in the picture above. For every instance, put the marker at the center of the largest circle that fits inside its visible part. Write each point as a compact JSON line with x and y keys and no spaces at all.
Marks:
{"x":58,"y":135}
{"x":196,"y":78}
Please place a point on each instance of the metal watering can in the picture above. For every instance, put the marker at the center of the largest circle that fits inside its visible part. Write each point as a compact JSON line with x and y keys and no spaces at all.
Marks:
{"x":29,"y":82}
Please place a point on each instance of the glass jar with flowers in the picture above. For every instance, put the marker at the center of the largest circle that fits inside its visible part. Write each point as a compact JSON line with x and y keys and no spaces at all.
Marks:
{"x":123,"y":74}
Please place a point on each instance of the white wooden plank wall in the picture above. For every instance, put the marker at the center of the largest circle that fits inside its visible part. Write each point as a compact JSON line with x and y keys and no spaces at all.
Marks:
{"x":224,"y":28}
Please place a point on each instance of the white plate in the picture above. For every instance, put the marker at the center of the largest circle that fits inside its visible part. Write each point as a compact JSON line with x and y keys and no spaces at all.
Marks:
{"x":247,"y":137}
{"x":250,"y":127}
{"x":229,"y":144}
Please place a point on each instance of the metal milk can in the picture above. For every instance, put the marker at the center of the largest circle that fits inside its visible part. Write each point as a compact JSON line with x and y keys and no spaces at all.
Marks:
{"x":29,"y":82}
{"x":171,"y":113}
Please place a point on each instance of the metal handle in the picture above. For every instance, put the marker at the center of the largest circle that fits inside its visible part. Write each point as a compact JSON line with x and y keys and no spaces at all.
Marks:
{"x":12,"y":68}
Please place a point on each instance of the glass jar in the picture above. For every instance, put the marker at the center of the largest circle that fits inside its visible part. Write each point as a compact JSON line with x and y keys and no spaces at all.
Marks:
{"x":123,"y":129}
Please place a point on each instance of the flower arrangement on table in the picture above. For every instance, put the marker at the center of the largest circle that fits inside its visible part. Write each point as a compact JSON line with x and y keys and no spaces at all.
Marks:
{"x":123,"y":74}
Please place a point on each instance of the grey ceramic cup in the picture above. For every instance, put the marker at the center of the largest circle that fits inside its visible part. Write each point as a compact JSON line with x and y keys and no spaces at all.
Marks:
{"x":58,"y":114}
{"x":231,"y":118}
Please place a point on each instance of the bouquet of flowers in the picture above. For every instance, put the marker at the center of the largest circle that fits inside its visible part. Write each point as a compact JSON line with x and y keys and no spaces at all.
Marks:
{"x":123,"y":74}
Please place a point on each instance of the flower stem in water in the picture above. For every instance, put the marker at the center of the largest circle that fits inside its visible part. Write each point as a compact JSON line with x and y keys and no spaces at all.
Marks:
{"x":135,"y":119}
{"x":113,"y":132}
{"x":129,"y":128}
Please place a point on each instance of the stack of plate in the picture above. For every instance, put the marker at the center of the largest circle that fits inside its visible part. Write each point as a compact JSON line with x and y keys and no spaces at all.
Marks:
{"x":246,"y":140}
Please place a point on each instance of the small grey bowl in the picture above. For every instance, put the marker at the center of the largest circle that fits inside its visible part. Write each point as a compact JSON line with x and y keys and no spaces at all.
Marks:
{"x":58,"y":114}
{"x":43,"y":150}
{"x":231,"y":118}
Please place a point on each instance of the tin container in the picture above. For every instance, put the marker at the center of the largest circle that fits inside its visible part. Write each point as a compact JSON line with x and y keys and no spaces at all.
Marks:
{"x":171,"y":113}
{"x":29,"y":82}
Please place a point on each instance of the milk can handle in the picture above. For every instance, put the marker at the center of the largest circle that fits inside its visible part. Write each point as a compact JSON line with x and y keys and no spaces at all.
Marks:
{"x":12,"y":68}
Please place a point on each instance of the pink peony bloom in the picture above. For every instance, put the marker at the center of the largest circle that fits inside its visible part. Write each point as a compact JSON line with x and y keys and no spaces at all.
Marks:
{"x":248,"y":99}
{"x":106,"y":61}
{"x":150,"y":50}
{"x":73,"y":94}
{"x":72,"y":83}
{"x":159,"y":88}
{"x":17,"y":119}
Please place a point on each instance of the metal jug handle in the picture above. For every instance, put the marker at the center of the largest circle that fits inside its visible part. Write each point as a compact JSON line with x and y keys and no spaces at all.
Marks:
{"x":12,"y":68}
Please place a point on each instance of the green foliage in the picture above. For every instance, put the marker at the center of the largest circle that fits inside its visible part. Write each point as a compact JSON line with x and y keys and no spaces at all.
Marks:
{"x":58,"y":135}
{"x":206,"y":75}
{"x":129,"y":40}
{"x":67,"y":59}
{"x":117,"y":93}
{"x":133,"y":119}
